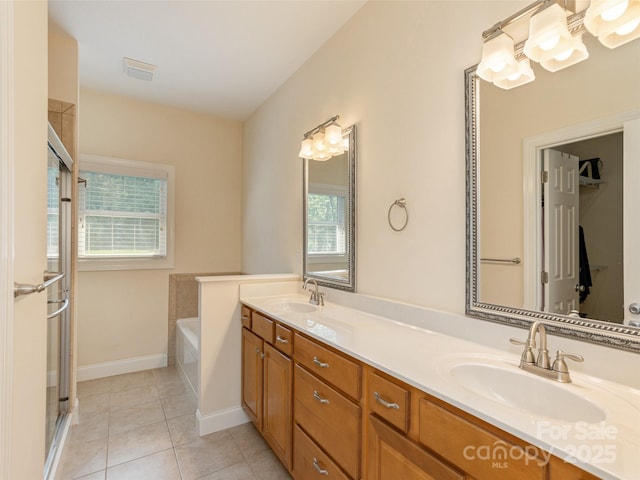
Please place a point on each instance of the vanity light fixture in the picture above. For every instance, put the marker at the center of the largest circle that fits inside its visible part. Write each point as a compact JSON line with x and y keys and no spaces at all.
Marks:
{"x":324,"y":141}
{"x":555,"y":38}
{"x":614,"y":22}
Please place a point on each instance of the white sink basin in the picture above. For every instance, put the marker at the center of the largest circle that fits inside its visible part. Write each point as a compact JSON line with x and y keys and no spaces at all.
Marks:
{"x":526,"y":392}
{"x":289,"y":305}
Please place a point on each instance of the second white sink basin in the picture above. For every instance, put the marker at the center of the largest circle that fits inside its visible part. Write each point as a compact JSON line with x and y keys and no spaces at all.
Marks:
{"x":526,"y":392}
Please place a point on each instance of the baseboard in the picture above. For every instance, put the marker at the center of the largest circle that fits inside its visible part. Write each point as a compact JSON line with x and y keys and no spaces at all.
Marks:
{"x":118,"y":367}
{"x":220,"y":420}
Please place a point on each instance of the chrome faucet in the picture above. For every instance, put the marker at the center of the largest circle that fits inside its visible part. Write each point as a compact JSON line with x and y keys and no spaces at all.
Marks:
{"x":317,"y":298}
{"x":540,"y":363}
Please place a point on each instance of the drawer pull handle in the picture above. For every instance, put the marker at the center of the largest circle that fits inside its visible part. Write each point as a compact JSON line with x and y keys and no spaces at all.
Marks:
{"x":281,"y":339}
{"x":320,"y":363}
{"x":319,"y":469}
{"x":257,"y":350}
{"x":245,"y":317}
{"x":317,"y":396}
{"x":384,"y":403}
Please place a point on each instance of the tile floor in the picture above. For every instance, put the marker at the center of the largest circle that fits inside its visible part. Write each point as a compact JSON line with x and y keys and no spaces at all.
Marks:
{"x":142,"y":426}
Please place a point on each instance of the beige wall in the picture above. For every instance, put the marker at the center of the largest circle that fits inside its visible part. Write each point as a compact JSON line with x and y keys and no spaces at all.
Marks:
{"x":605,"y":84}
{"x":123,"y":314}
{"x":396,"y":70}
{"x":29,"y":323}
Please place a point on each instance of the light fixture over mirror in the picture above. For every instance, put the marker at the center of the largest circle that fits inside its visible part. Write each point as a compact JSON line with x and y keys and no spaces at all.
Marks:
{"x":324,"y":141}
{"x":554,"y":39}
{"x":329,"y":210}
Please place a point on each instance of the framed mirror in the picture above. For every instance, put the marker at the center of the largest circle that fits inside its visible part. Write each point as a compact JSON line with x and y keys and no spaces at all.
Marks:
{"x":329,"y":218}
{"x":552,"y":174}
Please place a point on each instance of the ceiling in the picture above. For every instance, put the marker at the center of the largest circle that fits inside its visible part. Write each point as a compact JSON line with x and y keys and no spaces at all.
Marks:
{"x":223,"y":58}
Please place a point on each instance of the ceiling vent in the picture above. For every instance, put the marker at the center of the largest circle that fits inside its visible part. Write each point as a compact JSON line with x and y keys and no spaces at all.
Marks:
{"x":139,"y":70}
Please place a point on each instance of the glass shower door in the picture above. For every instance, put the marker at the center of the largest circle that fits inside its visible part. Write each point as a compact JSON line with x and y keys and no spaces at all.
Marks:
{"x":59,"y":183}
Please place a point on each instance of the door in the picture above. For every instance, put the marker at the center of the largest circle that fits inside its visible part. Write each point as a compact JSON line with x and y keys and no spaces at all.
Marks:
{"x":561,"y":255}
{"x":277,"y":403}
{"x":252,"y":376}
{"x":631,"y":235}
{"x":393,"y":456}
{"x":59,"y":187}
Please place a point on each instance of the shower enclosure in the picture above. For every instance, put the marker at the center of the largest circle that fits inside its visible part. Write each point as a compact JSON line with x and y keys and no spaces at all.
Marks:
{"x":59,"y":188}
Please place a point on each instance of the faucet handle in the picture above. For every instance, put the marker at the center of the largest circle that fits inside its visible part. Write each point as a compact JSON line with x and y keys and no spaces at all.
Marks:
{"x":559,"y":365}
{"x":528,"y":356}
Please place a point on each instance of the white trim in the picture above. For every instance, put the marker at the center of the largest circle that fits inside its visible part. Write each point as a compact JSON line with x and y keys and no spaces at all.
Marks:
{"x":6,"y":234}
{"x":118,"y":367}
{"x":532,"y":255}
{"x":220,"y":420}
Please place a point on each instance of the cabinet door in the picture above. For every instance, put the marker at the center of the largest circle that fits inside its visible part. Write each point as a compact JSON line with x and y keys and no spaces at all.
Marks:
{"x":393,"y":456}
{"x":252,"y":376}
{"x":277,"y":376}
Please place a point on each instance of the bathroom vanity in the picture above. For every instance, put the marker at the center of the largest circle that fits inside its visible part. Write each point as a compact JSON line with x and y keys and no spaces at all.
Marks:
{"x":332,"y":408}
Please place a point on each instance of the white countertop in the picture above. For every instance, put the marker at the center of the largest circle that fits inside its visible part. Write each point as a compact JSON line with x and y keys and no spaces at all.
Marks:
{"x":609,"y":448}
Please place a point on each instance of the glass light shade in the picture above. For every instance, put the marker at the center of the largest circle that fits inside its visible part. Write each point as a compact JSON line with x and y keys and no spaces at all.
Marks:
{"x":318,"y":142}
{"x":306,"y":148}
{"x":548,"y":34}
{"x":614,"y":22}
{"x":524,"y":75}
{"x":333,"y":134}
{"x":498,"y":59}
{"x":321,"y":156}
{"x":577,"y":53}
{"x":335,"y":149}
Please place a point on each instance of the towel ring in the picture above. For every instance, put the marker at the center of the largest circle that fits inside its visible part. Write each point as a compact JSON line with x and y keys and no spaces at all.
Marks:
{"x":402,"y":203}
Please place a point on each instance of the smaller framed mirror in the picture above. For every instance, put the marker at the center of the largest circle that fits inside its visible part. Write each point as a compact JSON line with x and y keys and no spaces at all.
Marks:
{"x":329,"y":218}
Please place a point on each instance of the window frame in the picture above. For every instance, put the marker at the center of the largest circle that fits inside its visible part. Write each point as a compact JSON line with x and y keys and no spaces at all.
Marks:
{"x":120,"y":166}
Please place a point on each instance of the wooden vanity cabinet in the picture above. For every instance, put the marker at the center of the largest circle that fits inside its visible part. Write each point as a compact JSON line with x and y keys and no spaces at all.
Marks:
{"x":327,"y":415}
{"x":267,"y":385}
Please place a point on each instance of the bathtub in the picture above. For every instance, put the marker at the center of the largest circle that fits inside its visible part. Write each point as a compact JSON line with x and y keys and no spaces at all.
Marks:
{"x":187,"y":357}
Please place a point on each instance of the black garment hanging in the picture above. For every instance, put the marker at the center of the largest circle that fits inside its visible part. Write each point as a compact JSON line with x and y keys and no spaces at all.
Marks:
{"x":585,"y":271}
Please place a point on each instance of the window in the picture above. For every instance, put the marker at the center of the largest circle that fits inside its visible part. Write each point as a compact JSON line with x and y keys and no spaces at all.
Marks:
{"x":326,"y":210}
{"x":125,"y":214}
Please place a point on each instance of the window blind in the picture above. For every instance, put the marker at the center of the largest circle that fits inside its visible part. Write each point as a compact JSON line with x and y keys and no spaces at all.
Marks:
{"x":325,"y":224}
{"x":122,"y":214}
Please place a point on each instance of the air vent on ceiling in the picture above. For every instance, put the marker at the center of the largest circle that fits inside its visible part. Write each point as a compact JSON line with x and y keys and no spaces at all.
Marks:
{"x":139,"y":70}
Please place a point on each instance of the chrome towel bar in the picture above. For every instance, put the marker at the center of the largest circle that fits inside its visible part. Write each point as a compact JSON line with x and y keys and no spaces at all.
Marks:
{"x":65,"y":304}
{"x":514,"y":261}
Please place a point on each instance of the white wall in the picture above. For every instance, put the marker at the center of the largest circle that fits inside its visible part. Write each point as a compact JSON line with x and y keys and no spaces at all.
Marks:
{"x":397,"y":71}
{"x":123,"y":314}
{"x":30,"y":187}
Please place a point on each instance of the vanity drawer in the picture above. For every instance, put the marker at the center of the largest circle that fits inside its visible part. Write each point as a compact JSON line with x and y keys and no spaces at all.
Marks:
{"x":283,"y":339}
{"x":330,"y":418}
{"x":330,"y":366}
{"x":389,"y":400}
{"x":245,"y":317}
{"x":310,"y":462}
{"x":561,"y":470}
{"x":473,"y":449}
{"x":262,"y":326}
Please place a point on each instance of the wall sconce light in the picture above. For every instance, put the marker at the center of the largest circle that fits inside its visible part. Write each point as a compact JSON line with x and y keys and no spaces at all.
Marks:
{"x":323,"y":142}
{"x":554,"y":39}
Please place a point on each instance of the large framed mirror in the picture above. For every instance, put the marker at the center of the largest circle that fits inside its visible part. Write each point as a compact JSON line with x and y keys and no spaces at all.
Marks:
{"x":329,"y":218}
{"x":552,"y":174}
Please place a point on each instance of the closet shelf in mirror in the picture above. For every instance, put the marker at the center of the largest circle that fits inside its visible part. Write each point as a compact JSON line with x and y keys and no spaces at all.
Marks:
{"x":590,"y":182}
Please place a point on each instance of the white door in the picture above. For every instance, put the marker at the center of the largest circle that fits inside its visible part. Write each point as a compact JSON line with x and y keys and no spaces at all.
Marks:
{"x":631,"y":236}
{"x":561,"y":207}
